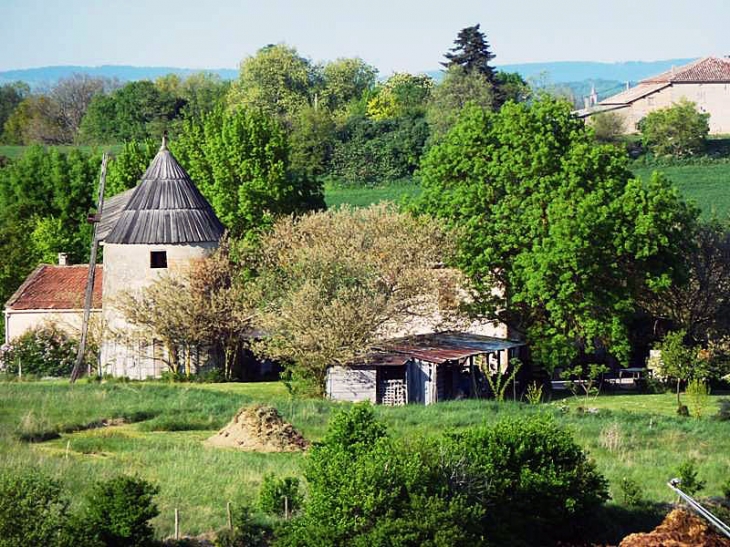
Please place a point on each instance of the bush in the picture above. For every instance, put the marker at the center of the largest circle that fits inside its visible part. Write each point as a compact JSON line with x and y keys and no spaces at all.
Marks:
{"x":33,"y":510}
{"x":277,"y":494}
{"x":45,"y":351}
{"x":119,"y":511}
{"x":726,"y":490}
{"x":690,"y":483}
{"x":631,"y":492}
{"x":723,"y":413}
{"x":516,"y":483}
{"x":679,"y":130}
{"x":608,"y":126}
{"x":246,"y":532}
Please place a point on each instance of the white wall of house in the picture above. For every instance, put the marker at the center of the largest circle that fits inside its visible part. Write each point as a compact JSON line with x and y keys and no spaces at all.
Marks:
{"x":127,"y":269}
{"x":713,"y":98}
{"x":18,"y":322}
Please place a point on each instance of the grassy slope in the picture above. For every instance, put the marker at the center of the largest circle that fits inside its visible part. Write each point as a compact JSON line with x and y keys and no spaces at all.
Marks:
{"x":650,"y":440}
{"x":706,"y":185}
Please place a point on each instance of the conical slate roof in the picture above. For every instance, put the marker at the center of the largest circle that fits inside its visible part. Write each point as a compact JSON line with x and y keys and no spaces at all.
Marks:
{"x":166,"y":208}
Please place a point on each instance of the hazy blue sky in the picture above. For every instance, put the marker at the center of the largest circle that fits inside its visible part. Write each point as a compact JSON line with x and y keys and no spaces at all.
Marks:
{"x":391,"y":34}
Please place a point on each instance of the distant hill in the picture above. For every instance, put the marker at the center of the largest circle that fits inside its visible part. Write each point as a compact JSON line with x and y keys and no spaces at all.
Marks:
{"x":47,"y":75}
{"x":554,"y":73}
{"x":578,"y":71}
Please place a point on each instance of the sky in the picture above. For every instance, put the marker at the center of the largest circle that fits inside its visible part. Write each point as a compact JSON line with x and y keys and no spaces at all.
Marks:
{"x":393,"y":35}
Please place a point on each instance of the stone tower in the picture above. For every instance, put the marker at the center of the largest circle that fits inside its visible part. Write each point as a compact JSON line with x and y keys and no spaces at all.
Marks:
{"x":163,"y":224}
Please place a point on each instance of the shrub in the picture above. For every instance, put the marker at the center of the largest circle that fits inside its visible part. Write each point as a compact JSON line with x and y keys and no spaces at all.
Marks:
{"x":45,"y":351}
{"x":608,"y":126}
{"x":517,"y":482}
{"x":246,"y":532}
{"x":631,"y":492}
{"x":726,"y":490}
{"x":33,"y":510}
{"x":119,"y":511}
{"x":679,"y":130}
{"x":690,"y":483}
{"x":276,"y":495}
{"x":537,"y":482}
{"x":699,"y":393}
{"x":723,"y":413}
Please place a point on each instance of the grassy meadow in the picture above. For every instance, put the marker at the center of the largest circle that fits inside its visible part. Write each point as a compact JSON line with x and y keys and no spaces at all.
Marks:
{"x":163,"y":439}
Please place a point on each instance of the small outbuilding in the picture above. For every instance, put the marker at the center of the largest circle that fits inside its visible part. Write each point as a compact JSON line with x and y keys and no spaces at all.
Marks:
{"x":423,"y":369}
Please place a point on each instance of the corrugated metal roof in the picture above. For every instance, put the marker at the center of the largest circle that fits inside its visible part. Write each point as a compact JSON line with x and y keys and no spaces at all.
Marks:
{"x":436,"y":348}
{"x":165,"y":208}
{"x":56,"y":288}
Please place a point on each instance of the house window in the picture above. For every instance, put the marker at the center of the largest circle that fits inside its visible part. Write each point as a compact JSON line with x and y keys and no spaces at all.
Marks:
{"x":158,"y":259}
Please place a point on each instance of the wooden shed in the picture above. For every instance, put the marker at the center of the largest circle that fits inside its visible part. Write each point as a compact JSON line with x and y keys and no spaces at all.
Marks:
{"x":422,"y":369}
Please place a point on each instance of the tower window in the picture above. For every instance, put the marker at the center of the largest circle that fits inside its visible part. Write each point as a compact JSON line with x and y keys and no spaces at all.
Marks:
{"x":158,"y":259}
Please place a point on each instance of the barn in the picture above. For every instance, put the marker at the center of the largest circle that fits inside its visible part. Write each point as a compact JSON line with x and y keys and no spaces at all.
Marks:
{"x":423,"y":369}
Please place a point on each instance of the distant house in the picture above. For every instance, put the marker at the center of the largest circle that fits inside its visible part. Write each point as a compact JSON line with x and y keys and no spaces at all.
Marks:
{"x":705,"y":82}
{"x":52,"y":294}
{"x":425,"y":369}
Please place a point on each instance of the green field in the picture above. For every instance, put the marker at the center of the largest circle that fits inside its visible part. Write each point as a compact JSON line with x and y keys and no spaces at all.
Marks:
{"x":708,"y":186}
{"x":634,"y":436}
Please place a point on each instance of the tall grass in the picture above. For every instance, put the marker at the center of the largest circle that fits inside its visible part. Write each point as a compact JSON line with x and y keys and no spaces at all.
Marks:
{"x":164,"y":439}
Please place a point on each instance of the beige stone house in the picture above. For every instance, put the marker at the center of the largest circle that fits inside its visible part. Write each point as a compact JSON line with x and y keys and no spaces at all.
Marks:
{"x":163,"y":224}
{"x":705,"y":82}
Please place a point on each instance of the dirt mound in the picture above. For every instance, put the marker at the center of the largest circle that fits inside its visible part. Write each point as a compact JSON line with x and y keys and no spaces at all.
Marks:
{"x":259,"y":428}
{"x":679,"y":529}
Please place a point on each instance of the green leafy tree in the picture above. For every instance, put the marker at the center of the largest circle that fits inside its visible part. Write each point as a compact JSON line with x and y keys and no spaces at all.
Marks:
{"x":512,"y":87}
{"x":471,"y":52}
{"x":344,"y":81}
{"x":277,"y":80}
{"x":681,"y":362}
{"x":127,"y":167}
{"x":401,"y":95}
{"x":458,"y":88}
{"x":376,"y":152}
{"x":679,"y":130}
{"x":240,"y":162}
{"x":312,"y":141}
{"x":608,"y":126}
{"x":556,"y":234}
{"x":11,"y":95}
{"x":137,"y":111}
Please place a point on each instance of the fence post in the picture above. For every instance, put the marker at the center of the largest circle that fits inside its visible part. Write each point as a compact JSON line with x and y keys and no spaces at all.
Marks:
{"x":286,"y":507}
{"x":228,"y":513}
{"x":177,"y":523}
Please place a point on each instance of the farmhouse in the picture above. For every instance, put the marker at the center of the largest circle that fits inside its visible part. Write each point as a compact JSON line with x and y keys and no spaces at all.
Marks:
{"x":163,"y":224}
{"x":424,"y":369}
{"x":52,"y":294}
{"x":705,"y":82}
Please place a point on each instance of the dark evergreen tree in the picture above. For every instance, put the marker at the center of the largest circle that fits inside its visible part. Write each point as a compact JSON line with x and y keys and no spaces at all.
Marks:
{"x":471,"y":52}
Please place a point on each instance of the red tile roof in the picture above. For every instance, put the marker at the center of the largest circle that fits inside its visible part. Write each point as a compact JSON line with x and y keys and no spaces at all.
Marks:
{"x":56,"y":288}
{"x":708,"y":69}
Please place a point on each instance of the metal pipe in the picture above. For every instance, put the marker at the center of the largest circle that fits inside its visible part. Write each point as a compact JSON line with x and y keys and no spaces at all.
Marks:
{"x":699,"y":509}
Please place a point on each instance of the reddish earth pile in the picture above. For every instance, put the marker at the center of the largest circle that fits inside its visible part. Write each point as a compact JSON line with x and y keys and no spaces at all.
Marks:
{"x":679,"y":529}
{"x":259,"y":428}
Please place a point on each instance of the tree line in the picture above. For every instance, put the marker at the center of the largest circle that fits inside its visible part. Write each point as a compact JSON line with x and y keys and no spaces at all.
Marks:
{"x":585,"y":256}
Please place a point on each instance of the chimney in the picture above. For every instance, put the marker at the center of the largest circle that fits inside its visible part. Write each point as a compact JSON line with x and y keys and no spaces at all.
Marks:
{"x":628,"y":85}
{"x":63,"y":259}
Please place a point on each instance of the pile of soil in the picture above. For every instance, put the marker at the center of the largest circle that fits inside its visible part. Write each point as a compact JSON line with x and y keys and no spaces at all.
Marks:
{"x":679,"y":529}
{"x":259,"y":428}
